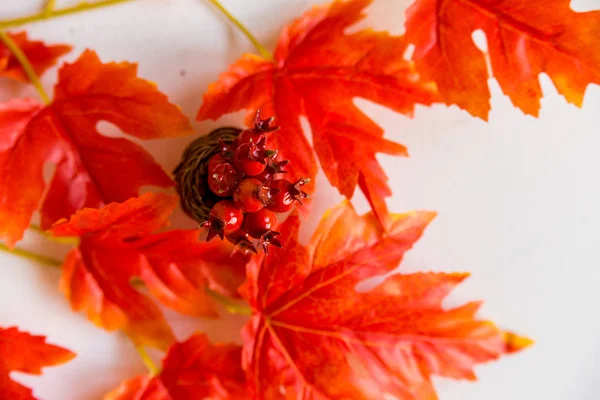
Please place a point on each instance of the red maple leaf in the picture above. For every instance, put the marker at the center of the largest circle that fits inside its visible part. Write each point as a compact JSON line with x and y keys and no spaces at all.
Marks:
{"x":524,"y":39}
{"x":118,"y":248}
{"x":317,"y":72}
{"x":194,"y":369}
{"x":314,"y":336}
{"x":40,"y":55}
{"x":23,"y":352}
{"x":91,"y":169}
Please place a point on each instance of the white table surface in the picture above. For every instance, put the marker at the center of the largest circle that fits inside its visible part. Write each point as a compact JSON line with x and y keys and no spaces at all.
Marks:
{"x":517,"y":197}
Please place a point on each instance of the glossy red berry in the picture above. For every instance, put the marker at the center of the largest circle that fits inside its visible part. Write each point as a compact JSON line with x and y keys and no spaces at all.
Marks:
{"x":224,"y":218}
{"x":251,"y":158}
{"x":223,"y":179}
{"x":288,"y":194}
{"x":261,"y":126}
{"x":216,"y":160}
{"x":260,"y":222}
{"x":249,"y":136}
{"x":245,"y":164}
{"x":251,"y":195}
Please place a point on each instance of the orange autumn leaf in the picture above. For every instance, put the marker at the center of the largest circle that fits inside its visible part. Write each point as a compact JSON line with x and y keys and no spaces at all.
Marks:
{"x":40,"y":55}
{"x":91,"y":169}
{"x":317,"y":72}
{"x":23,"y":352}
{"x":524,"y":39}
{"x":313,"y":335}
{"x":194,"y":369}
{"x":119,"y":247}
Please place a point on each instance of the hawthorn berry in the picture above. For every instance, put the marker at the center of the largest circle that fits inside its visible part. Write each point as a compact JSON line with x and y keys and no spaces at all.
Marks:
{"x":261,"y":126}
{"x":288,"y":193}
{"x":224,"y":218}
{"x":223,"y":179}
{"x":260,"y":222}
{"x":251,"y":158}
{"x":249,"y":136}
{"x":217,"y":159}
{"x":251,"y":195}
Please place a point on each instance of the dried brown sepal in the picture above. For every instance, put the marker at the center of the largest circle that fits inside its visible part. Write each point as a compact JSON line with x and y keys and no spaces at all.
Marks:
{"x":296,"y":191}
{"x":258,"y":151}
{"x":277,"y":167}
{"x":270,"y":239}
{"x":245,"y":248}
{"x":215,"y":226}
{"x":242,"y":242}
{"x":226,"y":148}
{"x":264,"y":125}
{"x":265,"y":193}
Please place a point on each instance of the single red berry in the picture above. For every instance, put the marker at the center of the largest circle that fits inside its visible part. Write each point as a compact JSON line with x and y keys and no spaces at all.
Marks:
{"x":270,"y":239}
{"x":251,"y":195}
{"x":288,"y":194}
{"x":241,"y":241}
{"x":251,"y":158}
{"x":272,"y":169}
{"x":224,"y":218}
{"x":244,"y":163}
{"x":223,"y":179}
{"x":260,"y":222}
{"x":216,"y":160}
{"x":261,"y":126}
{"x":249,"y":136}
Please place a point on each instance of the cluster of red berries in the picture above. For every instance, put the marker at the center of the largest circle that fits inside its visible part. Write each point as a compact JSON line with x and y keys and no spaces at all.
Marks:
{"x":246,"y":175}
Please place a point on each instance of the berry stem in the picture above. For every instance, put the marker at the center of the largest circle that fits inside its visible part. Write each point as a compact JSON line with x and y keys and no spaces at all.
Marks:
{"x":49,"y":12}
{"x":259,"y":47}
{"x":72,"y":240}
{"x":32,"y":256}
{"x":24,"y":61}
{"x":231,"y":306}
{"x":152,"y":368}
{"x":49,"y":7}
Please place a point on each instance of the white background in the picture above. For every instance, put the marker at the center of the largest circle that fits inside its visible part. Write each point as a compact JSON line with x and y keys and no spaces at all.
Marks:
{"x":517,"y":199}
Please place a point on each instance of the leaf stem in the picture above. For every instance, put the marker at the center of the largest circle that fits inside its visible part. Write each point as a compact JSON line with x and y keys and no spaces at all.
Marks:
{"x":152,"y":368}
{"x":230,"y":305}
{"x":259,"y":47}
{"x":24,"y":61}
{"x":49,"y":12}
{"x":32,"y":256}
